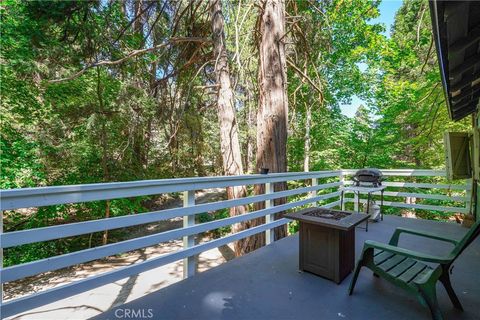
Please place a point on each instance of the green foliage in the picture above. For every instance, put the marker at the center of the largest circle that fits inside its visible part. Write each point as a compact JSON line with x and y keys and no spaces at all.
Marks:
{"x":408,"y":97}
{"x":216,"y":215}
{"x":154,"y":116}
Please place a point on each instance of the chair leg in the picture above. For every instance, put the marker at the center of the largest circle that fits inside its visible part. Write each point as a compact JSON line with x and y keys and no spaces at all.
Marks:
{"x":445,"y":280}
{"x":354,"y":278}
{"x":429,"y":294}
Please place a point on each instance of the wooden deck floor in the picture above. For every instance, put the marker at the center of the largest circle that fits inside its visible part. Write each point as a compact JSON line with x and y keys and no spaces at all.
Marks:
{"x":266,"y":284}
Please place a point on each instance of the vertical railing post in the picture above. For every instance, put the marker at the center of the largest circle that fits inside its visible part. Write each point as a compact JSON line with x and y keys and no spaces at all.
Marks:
{"x":269,"y":233}
{"x":189,"y":264}
{"x":342,"y":185}
{"x":314,"y":193}
{"x":468,"y":195}
{"x":355,"y":201}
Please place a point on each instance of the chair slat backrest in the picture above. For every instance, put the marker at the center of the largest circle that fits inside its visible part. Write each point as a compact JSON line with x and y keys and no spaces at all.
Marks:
{"x":467,"y":239}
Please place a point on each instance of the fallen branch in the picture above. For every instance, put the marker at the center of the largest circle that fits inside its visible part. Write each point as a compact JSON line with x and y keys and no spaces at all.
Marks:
{"x":132,"y":54}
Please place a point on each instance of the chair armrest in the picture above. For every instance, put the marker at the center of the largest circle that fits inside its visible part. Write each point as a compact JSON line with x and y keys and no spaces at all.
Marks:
{"x":406,"y":252}
{"x":396,"y":235}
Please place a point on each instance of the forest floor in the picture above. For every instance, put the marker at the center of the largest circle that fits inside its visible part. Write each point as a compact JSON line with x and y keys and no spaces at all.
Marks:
{"x":95,"y":301}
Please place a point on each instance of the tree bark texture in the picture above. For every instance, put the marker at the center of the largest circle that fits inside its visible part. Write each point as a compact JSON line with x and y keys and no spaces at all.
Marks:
{"x":272,"y":114}
{"x":229,"y":142}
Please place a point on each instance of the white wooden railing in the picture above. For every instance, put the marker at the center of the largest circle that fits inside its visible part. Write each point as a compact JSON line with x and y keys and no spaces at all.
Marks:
{"x":45,"y":196}
{"x":463,"y":188}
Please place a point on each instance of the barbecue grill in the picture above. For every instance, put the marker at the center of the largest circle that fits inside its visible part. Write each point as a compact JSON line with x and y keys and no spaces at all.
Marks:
{"x":368,"y":177}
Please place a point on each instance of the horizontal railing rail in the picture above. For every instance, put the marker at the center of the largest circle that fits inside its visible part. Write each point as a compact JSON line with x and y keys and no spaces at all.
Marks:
{"x":404,"y":172}
{"x":424,"y":185}
{"x":418,"y":206}
{"x":463,"y":200}
{"x":50,"y":264}
{"x":59,"y":195}
{"x":45,"y":196}
{"x":16,"y":238}
{"x":38,"y":299}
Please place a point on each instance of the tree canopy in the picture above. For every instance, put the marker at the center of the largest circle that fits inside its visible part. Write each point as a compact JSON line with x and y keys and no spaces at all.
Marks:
{"x":99,"y":91}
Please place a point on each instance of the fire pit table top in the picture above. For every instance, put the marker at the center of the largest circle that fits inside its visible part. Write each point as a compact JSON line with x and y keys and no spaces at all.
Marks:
{"x":343,"y":220}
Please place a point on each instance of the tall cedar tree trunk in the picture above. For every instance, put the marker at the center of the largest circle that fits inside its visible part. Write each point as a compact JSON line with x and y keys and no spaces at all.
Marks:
{"x":272,"y":115}
{"x":229,"y":143}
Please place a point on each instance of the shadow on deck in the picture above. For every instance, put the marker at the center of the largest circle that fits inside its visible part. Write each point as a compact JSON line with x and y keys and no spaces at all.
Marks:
{"x":266,"y":284}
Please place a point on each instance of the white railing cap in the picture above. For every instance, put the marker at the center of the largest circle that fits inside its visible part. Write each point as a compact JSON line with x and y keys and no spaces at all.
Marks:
{"x":404,"y":172}
{"x":44,"y":196}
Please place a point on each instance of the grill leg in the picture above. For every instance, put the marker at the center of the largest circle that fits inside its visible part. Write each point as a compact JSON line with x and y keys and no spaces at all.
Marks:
{"x":358,"y":201}
{"x":381,"y":206}
{"x":341,"y":201}
{"x":368,"y":210}
{"x":368,"y":203}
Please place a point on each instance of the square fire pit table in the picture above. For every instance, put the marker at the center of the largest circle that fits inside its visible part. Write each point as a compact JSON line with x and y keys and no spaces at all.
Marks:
{"x":327,"y":241}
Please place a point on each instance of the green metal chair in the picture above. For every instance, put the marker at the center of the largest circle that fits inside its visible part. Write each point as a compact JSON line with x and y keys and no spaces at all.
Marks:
{"x":406,"y":268}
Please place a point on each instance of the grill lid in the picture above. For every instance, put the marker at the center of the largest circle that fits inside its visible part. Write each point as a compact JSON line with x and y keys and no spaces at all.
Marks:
{"x":370,"y":176}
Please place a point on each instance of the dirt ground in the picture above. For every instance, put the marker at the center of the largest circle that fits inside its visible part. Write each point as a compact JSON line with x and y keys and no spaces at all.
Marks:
{"x":95,"y":301}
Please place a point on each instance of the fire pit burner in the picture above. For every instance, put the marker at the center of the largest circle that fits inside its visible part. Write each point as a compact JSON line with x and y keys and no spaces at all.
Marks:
{"x":327,"y":214}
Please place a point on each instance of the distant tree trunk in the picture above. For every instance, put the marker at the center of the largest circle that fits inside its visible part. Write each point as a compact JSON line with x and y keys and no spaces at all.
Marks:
{"x":104,"y":142}
{"x":308,"y":121}
{"x":107,"y":215}
{"x":251,"y":131}
{"x":199,"y":146}
{"x":411,"y":213}
{"x":272,"y":114}
{"x":138,"y":23}
{"x":229,"y":142}
{"x":147,"y":142}
{"x":106,"y":176}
